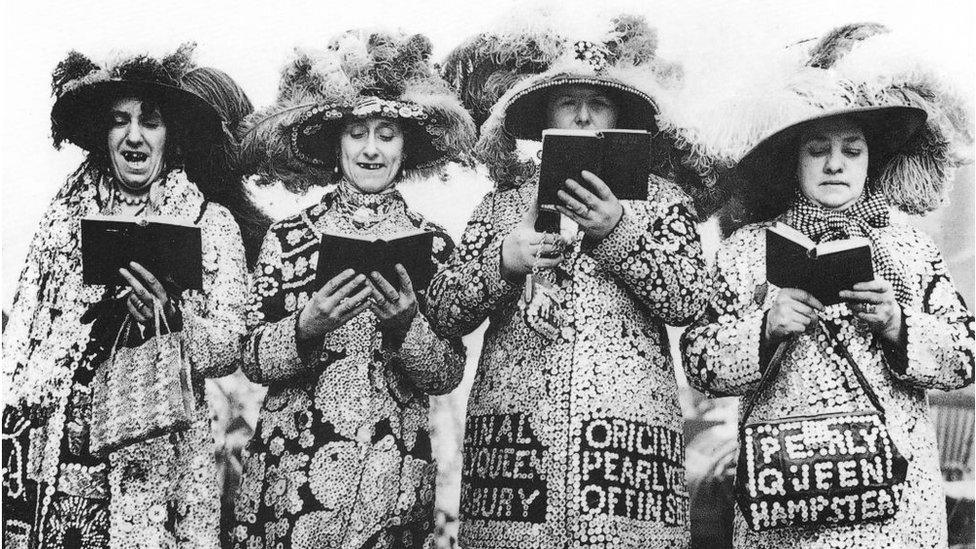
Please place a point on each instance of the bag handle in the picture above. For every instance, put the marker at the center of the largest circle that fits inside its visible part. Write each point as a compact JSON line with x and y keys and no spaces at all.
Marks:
{"x":775,"y":363}
{"x":185,"y":371}
{"x":203,"y":211}
{"x":125,"y":329}
{"x":160,"y":318}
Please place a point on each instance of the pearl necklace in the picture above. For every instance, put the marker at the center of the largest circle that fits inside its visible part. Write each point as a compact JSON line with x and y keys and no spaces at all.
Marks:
{"x":126,"y":198}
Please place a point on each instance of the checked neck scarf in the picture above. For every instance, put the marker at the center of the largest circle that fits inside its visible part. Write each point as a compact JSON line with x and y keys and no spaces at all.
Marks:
{"x":822,"y":225}
{"x":869,"y":212}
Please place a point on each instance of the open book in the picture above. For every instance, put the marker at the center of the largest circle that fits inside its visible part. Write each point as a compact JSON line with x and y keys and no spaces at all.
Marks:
{"x":795,"y":261}
{"x":338,"y":252}
{"x":170,"y":250}
{"x":621,"y":158}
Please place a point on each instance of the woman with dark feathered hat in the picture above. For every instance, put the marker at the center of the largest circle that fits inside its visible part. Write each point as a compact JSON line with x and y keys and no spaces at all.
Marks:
{"x":859,"y":137}
{"x":574,"y":433}
{"x":151,"y":150}
{"x":342,"y":455}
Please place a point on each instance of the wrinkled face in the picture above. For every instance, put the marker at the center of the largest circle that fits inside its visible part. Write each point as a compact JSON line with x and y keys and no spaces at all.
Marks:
{"x":580,"y":107}
{"x":371,"y":152}
{"x":136,"y":143}
{"x":832,"y":163}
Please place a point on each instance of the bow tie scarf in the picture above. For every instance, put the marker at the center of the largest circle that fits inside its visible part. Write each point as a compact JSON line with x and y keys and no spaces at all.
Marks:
{"x":869,"y":212}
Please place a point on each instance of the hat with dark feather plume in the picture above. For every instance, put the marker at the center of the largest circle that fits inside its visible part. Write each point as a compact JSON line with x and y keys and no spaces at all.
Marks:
{"x":485,"y":66}
{"x":360,"y":74}
{"x":85,"y":90}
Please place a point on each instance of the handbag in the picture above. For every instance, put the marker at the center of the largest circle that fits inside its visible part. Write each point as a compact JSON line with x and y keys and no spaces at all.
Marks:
{"x":814,"y":470}
{"x":142,"y":392}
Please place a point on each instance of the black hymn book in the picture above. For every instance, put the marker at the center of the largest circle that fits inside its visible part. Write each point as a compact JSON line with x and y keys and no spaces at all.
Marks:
{"x":338,"y":252}
{"x":621,"y":158}
{"x":795,"y":261}
{"x":171,"y":251}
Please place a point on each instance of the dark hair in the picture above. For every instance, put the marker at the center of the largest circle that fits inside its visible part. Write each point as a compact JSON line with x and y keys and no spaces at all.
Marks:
{"x":875,"y":161}
{"x":772,"y":197}
{"x":172,"y":154}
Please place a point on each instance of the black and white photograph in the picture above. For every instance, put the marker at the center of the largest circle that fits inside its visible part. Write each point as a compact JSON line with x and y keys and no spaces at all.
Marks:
{"x":488,"y":275}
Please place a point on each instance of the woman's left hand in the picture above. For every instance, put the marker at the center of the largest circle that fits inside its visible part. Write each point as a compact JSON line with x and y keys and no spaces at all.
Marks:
{"x":596,"y":212}
{"x":874,"y":302}
{"x":394,"y":307}
{"x":144,"y":288}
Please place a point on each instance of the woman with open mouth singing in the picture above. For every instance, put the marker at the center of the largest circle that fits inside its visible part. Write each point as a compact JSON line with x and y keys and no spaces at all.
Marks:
{"x":151,"y":145}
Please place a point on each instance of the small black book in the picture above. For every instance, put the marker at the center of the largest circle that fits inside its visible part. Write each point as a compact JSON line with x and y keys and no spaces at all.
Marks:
{"x":795,"y":261}
{"x":364,"y":255}
{"x":172,"y":252}
{"x":621,"y":158}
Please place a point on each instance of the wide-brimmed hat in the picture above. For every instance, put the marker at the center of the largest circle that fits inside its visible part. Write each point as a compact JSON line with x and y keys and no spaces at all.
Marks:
{"x":314,"y":136}
{"x":744,"y":144}
{"x":619,"y":56}
{"x":360,"y":74}
{"x":84,"y":91}
{"x":768,"y":170}
{"x":525,"y":116}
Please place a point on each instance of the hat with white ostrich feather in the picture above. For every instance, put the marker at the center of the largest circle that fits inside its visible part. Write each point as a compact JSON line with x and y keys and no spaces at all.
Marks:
{"x":917,"y":129}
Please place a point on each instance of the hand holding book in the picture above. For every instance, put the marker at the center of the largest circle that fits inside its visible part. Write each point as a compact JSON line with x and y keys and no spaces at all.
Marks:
{"x":874,"y":302}
{"x":792,"y":312}
{"x":596,"y":211}
{"x":341,"y":298}
{"x":813,"y":275}
{"x":355,"y":273}
{"x":394,"y":307}
{"x":144,"y":289}
{"x":823,"y":270}
{"x":584,"y":175}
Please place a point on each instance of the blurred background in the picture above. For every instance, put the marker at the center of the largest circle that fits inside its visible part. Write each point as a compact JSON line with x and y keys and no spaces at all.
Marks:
{"x":714,"y":41}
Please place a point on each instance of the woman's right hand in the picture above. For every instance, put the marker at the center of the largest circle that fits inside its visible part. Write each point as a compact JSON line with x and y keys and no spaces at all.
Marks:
{"x":523,"y":244}
{"x":341,"y":299}
{"x":792,"y":312}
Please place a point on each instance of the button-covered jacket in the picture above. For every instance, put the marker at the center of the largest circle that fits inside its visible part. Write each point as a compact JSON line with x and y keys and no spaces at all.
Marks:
{"x":721,"y":353}
{"x":576,"y":440}
{"x":341,"y":456}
